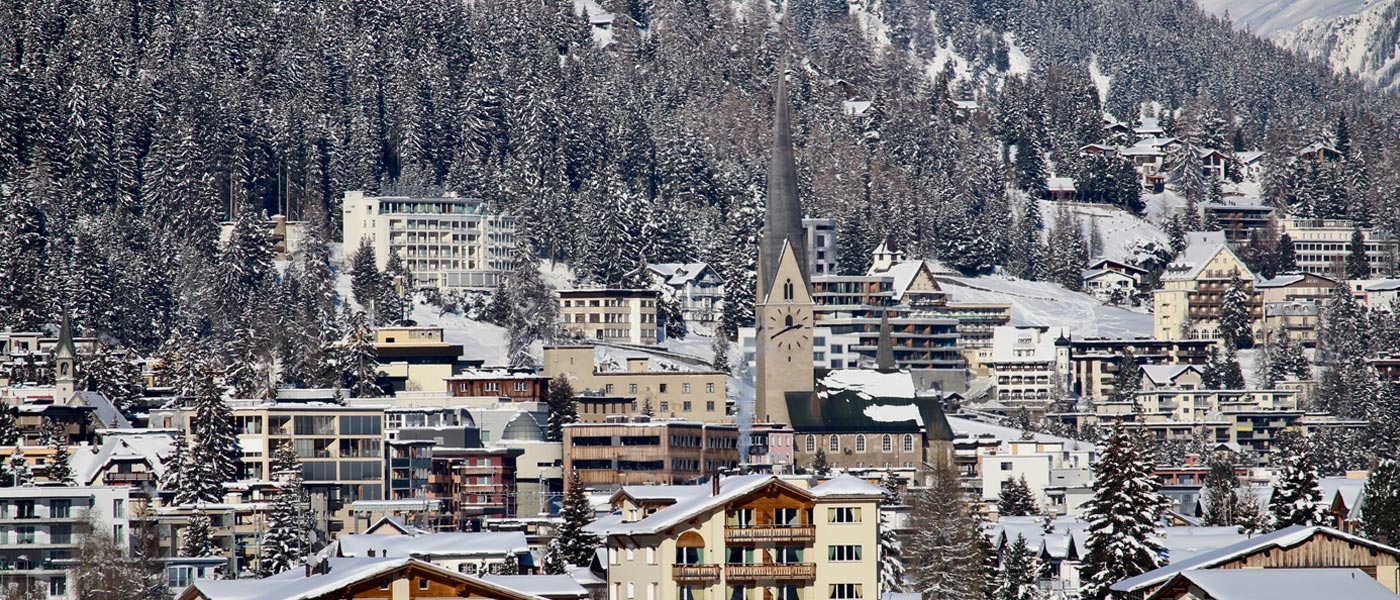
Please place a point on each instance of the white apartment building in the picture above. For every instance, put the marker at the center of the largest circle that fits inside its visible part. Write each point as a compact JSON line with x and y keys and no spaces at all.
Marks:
{"x":1028,"y":363}
{"x":611,"y":315}
{"x":448,"y":242}
{"x":1322,"y":246}
{"x":821,"y":246}
{"x":40,"y":528}
{"x":697,"y":286}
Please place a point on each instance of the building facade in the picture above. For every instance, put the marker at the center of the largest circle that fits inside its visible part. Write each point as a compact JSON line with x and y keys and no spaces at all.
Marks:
{"x":1322,"y":246}
{"x":609,"y":315}
{"x":612,"y":454}
{"x":40,"y":527}
{"x":1189,"y":303}
{"x":690,"y":395}
{"x":447,"y":243}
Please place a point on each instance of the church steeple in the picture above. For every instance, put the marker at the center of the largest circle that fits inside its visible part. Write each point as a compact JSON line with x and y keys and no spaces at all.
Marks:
{"x":65,"y":357}
{"x":884,"y":349}
{"x":782,"y":220}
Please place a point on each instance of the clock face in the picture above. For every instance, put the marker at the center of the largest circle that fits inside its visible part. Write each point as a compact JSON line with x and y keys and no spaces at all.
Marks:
{"x":789,"y":327}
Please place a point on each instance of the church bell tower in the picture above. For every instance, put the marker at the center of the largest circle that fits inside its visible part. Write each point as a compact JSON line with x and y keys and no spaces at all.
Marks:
{"x":783,"y":308}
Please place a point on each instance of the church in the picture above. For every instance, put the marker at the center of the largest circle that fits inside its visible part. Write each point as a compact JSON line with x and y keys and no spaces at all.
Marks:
{"x":854,"y":418}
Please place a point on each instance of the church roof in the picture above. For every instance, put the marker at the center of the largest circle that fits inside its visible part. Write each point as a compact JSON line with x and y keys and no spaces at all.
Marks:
{"x":782,"y":219}
{"x":866,"y":401}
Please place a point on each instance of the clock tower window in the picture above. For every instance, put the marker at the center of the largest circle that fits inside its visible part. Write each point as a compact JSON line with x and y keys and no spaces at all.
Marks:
{"x":787,"y":321}
{"x":787,"y":290}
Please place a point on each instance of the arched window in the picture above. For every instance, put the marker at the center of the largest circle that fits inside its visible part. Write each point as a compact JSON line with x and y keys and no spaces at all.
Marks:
{"x":833,"y":444}
{"x":787,"y":289}
{"x":860,"y":443}
{"x":887,"y":443}
{"x":908,"y":442}
{"x":811,"y":443}
{"x":787,"y":321}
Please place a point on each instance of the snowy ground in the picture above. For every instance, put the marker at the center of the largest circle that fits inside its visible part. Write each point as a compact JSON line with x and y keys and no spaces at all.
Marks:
{"x":1049,"y":304}
{"x":1125,"y":235}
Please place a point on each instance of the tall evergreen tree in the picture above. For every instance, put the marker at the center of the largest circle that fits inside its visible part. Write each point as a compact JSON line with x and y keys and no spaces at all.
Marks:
{"x":1295,"y":497}
{"x":891,"y":547}
{"x":197,"y":538}
{"x":59,"y":469}
{"x":573,"y":543}
{"x":288,"y":539}
{"x":1123,"y":514}
{"x":1127,"y":381}
{"x":1236,"y":323}
{"x":946,"y":548}
{"x":1016,"y":499}
{"x":359,"y":360}
{"x":1380,"y":519}
{"x":1287,"y":254}
{"x":1219,"y":494}
{"x":365,"y":278}
{"x":1018,"y":573}
{"x":1358,"y":266}
{"x":562,"y":408}
{"x":215,"y":457}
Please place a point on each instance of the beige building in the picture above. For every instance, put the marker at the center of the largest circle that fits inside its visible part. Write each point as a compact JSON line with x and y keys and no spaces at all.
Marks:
{"x":1298,"y":320}
{"x":753,"y":537}
{"x":607,"y":455}
{"x":609,"y":315}
{"x":692,"y":395}
{"x":1030,"y":365}
{"x":416,"y":358}
{"x":447,"y":242}
{"x":1193,"y":289}
{"x":1322,"y":246}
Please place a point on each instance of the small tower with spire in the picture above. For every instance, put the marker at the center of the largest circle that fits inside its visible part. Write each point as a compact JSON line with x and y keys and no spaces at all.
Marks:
{"x":65,"y":358}
{"x":884,"y":349}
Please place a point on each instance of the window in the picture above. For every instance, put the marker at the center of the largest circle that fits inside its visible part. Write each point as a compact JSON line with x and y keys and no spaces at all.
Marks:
{"x":833,"y":444}
{"x":60,"y":509}
{"x":24,"y":509}
{"x":742,"y":517}
{"x":787,"y":554}
{"x":689,"y":555}
{"x":685,"y":592}
{"x":787,"y":294}
{"x":119,"y":533}
{"x":664,"y":388}
{"x":60,"y":534}
{"x":843,"y":514}
{"x":1006,"y":466}
{"x":739,"y":592}
{"x":887,"y":443}
{"x":811,"y":443}
{"x":24,"y":535}
{"x":58,"y":586}
{"x":844,"y":591}
{"x":360,"y":425}
{"x":651,"y":556}
{"x":665,"y":406}
{"x":685,"y":388}
{"x":423,"y":583}
{"x":384,"y":584}
{"x":908,"y":442}
{"x":521,"y":386}
{"x":785,"y":516}
{"x":860,"y":443}
{"x":709,"y":406}
{"x":631,"y":388}
{"x":608,"y":389}
{"x":118,"y":509}
{"x":709,"y":388}
{"x":787,"y":592}
{"x":685,"y":406}
{"x":846,"y":553}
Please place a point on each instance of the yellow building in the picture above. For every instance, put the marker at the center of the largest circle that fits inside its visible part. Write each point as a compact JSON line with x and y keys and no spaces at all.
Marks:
{"x":1193,"y":289}
{"x":692,"y":395}
{"x":752,"y":537}
{"x":416,"y":359}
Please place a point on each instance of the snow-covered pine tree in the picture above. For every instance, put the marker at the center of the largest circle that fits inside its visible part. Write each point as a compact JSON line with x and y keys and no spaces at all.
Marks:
{"x":1123,"y":515}
{"x":1358,"y":266}
{"x":58,"y":469}
{"x":20,"y":473}
{"x":1250,"y":516}
{"x":574,"y":544}
{"x":1219,"y":494}
{"x":359,"y":360}
{"x":720,"y":347}
{"x":197,"y":538}
{"x":1127,"y":381}
{"x":1018,"y":574}
{"x":1287,"y":254}
{"x":1016,"y":499}
{"x":945,"y":550}
{"x":393,"y":299}
{"x":287,"y":542}
{"x":820,"y":466}
{"x":176,"y":468}
{"x":1295,"y":497}
{"x":1236,"y":324}
{"x":9,"y":429}
{"x":562,"y":409}
{"x":1380,"y":519}
{"x":533,"y":314}
{"x":365,"y":279}
{"x":215,"y":457}
{"x":891,"y":547}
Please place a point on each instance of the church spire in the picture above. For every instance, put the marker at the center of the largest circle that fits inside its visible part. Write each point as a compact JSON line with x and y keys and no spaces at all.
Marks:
{"x":65,"y":357}
{"x":782,"y":220}
{"x":884,"y":349}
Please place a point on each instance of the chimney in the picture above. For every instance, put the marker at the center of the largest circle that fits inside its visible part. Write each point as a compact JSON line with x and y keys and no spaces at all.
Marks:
{"x":371,"y":552}
{"x":714,"y":484}
{"x":308,"y":568}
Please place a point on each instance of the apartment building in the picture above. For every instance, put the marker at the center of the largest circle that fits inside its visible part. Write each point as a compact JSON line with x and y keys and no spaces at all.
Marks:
{"x":1193,"y":289}
{"x":40,"y":528}
{"x":416,"y":358}
{"x":821,"y":245}
{"x":1239,"y":220}
{"x":447,"y":242}
{"x":698,"y":288}
{"x":612,"y":315}
{"x":1322,"y":246}
{"x":690,"y":395}
{"x":613,"y":454}
{"x":1029,"y":365}
{"x":1298,"y":320}
{"x":516,"y":385}
{"x":1094,"y":361}
{"x":752,"y":537}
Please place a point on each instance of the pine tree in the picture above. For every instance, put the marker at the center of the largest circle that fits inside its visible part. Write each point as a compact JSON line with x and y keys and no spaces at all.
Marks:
{"x":891,"y":548}
{"x":20,"y":473}
{"x":1123,"y":514}
{"x":359,"y":360}
{"x":197,"y":538}
{"x":9,"y":429}
{"x":1358,"y":266}
{"x":1018,"y":573}
{"x":394,"y":293}
{"x":946,"y":547}
{"x":1127,"y":381}
{"x":1287,"y":254}
{"x":573,"y":543}
{"x":562,"y":408}
{"x":59,"y":469}
{"x":720,"y":347}
{"x":1016,"y":499}
{"x":365,"y":279}
{"x":214,"y":457}
{"x":1236,"y":324}
{"x":1219,"y":494}
{"x":1381,"y":514}
{"x":1296,"y":495}
{"x":820,"y":465}
{"x":176,"y":468}
{"x":287,"y":542}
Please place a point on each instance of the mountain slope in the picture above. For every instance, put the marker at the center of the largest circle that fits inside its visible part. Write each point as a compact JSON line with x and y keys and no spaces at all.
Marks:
{"x":1363,"y":44}
{"x":1269,"y":18}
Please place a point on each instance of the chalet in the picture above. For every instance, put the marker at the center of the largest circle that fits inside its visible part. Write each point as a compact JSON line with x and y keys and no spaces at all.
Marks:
{"x":1214,"y":162}
{"x":1108,"y":264}
{"x":1292,"y":547}
{"x":1117,"y":128}
{"x":399,"y":578}
{"x":1104,"y":150}
{"x":1295,"y":286}
{"x":1110,"y":280}
{"x":1175,"y":377}
{"x":1319,"y":152}
{"x":697,"y":286}
{"x":1149,"y":127}
{"x":1061,"y":188}
{"x":1249,"y":584}
{"x":518,"y":386}
{"x":965,"y":108}
{"x":1251,"y":164}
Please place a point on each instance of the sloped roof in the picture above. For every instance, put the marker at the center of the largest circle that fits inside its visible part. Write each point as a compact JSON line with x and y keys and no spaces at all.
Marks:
{"x":484,"y":543}
{"x":679,"y":274}
{"x":1249,"y":156}
{"x":150,"y":447}
{"x":1060,"y":184}
{"x":103,"y":409}
{"x":549,"y":586}
{"x":1105,"y":263}
{"x":1202,"y":248}
{"x":1163,"y":374}
{"x":1283,"y":584}
{"x":700,"y":500}
{"x":847,"y":485}
{"x":1287,"y":537}
{"x":867,"y":405}
{"x":293,"y":585}
{"x":1384,"y":285}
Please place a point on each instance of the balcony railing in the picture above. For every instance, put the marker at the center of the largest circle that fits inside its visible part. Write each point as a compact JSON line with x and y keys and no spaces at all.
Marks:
{"x":771,"y":533}
{"x":771,"y":571}
{"x":695,"y":572}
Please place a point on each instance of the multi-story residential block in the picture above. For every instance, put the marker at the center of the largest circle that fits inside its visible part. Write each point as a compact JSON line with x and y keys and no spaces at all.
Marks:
{"x":1239,"y":220}
{"x":1298,"y":320}
{"x":608,"y":455}
{"x":40,"y":527}
{"x":1094,"y":361}
{"x":1289,"y":287}
{"x":610,"y":315}
{"x":416,"y":358}
{"x":447,"y":243}
{"x":596,"y":407}
{"x":1193,"y":289}
{"x":745,"y":538}
{"x":517,"y":385}
{"x":1322,"y":246}
{"x":1380,"y":294}
{"x":690,"y":395}
{"x":821,"y":245}
{"x":697,"y":286}
{"x":1030,"y":365}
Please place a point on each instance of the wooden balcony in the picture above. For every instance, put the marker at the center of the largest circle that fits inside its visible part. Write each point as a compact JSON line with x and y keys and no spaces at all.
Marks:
{"x":695,"y":572}
{"x":771,"y":533}
{"x":770,"y":571}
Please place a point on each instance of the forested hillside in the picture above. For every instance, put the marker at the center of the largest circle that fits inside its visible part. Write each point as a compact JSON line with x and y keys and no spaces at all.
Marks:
{"x":129,"y":129}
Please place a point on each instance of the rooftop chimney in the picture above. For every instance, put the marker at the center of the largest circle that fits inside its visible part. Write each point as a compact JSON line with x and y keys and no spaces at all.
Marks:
{"x":714,"y":484}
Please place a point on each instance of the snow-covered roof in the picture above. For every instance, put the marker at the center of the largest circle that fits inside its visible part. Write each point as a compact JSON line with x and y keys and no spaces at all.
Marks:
{"x":868,"y":383}
{"x":294,"y":585}
{"x":679,"y":274}
{"x":1057,"y":544}
{"x":855,"y":108}
{"x":104,"y":410}
{"x":1164,"y":374}
{"x":1025,"y":344}
{"x":548,"y":586}
{"x":1315,"y":147}
{"x":1286,"y":584}
{"x":1202,"y":247}
{"x":1287,"y":537}
{"x":904,"y":273}
{"x":1148,"y":125}
{"x":1182,"y":543}
{"x":1248,"y":157}
{"x":1050,"y":304}
{"x":847,"y":485}
{"x":698,"y":501}
{"x":894,"y":413}
{"x":1384,"y":285}
{"x":1205,"y":152}
{"x":965,"y":104}
{"x":492,"y":544}
{"x":1060,"y":184}
{"x":1114,"y":265}
{"x":1294,"y":308}
{"x":151,"y":447}
{"x":974,"y":429}
{"x":1280,"y":281}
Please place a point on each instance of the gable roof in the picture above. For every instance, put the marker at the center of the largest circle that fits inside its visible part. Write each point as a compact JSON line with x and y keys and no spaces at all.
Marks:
{"x":394,"y":523}
{"x":1282,"y":584}
{"x":845,"y":485}
{"x":150,"y":447}
{"x":1202,"y":248}
{"x":293,"y":585}
{"x":1287,"y":537}
{"x":1108,"y":263}
{"x":483,"y":543}
{"x":1162,"y":374}
{"x":867,"y":401}
{"x":698,"y":501}
{"x":679,"y":274}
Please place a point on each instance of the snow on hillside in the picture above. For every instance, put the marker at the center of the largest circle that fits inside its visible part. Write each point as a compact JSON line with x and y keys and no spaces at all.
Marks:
{"x":1363,"y":44}
{"x":1126,"y":237}
{"x":480,"y":341}
{"x":1049,"y":304}
{"x":1269,"y":18}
